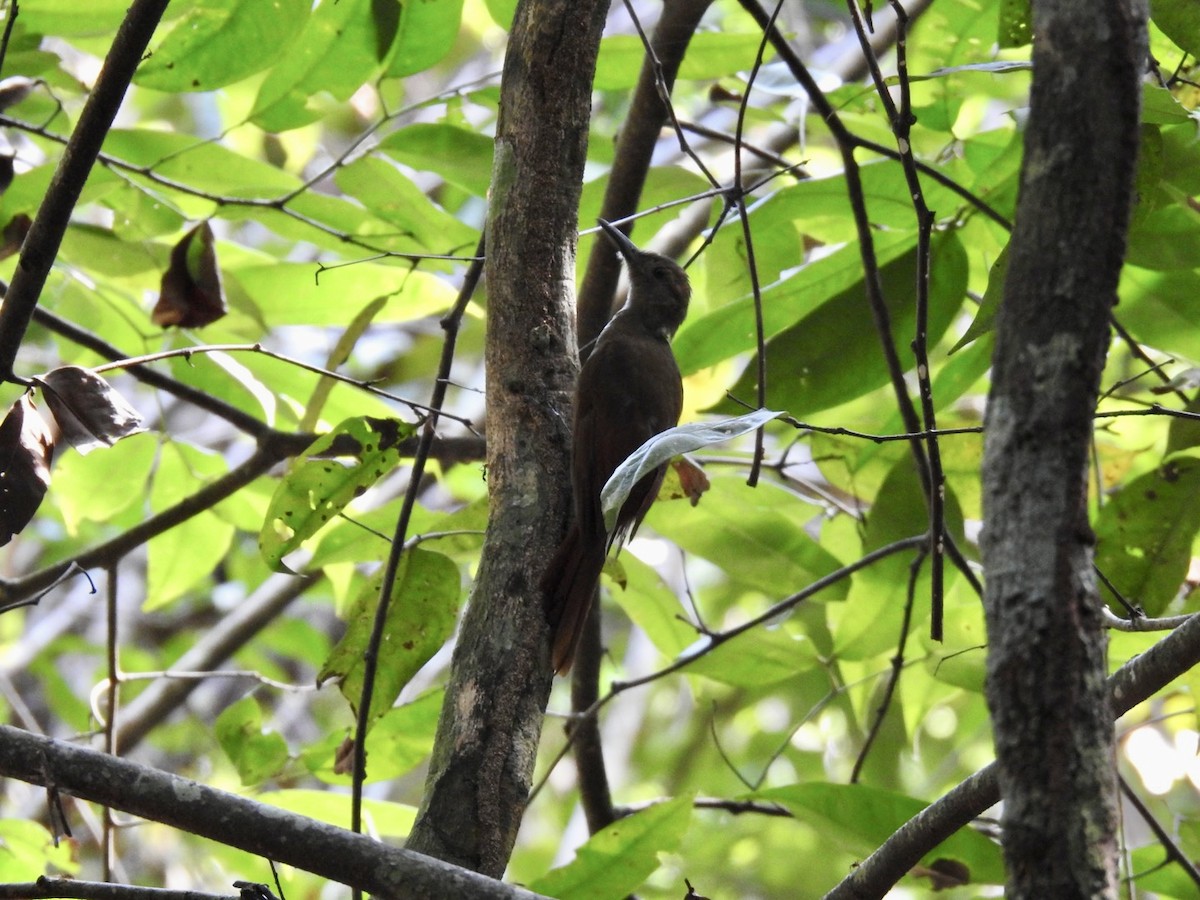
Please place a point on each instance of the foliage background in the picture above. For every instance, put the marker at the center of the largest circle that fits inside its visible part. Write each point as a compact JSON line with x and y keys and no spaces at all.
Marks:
{"x":341,"y":154}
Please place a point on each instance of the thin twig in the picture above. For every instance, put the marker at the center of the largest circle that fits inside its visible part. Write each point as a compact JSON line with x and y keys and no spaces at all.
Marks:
{"x":450,"y":324}
{"x":897,"y":666}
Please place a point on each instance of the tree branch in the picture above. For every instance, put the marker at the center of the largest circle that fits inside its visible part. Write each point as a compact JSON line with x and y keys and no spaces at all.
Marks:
{"x":1135,"y":682}
{"x":46,"y":233}
{"x":257,"y":828}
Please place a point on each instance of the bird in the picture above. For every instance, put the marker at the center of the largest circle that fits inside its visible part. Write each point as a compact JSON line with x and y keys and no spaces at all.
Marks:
{"x":629,"y":390}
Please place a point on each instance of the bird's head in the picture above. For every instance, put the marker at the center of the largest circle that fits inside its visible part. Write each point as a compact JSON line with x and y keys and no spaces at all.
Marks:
{"x":658,"y":288}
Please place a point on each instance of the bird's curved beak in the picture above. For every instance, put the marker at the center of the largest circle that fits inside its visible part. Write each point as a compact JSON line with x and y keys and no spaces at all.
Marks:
{"x":628,"y":249}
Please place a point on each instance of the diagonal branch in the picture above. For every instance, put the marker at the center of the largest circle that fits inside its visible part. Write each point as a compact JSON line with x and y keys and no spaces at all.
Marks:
{"x":257,"y":828}
{"x":46,"y":233}
{"x":1135,"y":682}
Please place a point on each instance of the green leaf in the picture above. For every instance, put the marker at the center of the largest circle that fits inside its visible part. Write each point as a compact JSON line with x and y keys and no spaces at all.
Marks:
{"x":344,"y":43}
{"x":337,"y":356}
{"x":985,"y":317}
{"x":833,"y":355}
{"x":392,"y":197}
{"x":756,"y":535}
{"x":28,"y":851}
{"x":428,"y":30}
{"x":1144,"y":534}
{"x":869,"y":622}
{"x":85,"y":490}
{"x":860,"y":818}
{"x":335,"y":469}
{"x":381,"y":817}
{"x":201,"y":165}
{"x":218,"y":42}
{"x":400,"y":741}
{"x":420,"y":619}
{"x":729,"y":330}
{"x":652,"y":606}
{"x":462,"y":157}
{"x":1159,"y":308}
{"x":711,"y":55}
{"x":1168,"y":238}
{"x":1180,"y":21}
{"x":501,"y":11}
{"x":70,"y":18}
{"x":293,"y":294}
{"x":616,"y":860}
{"x":185,"y":555}
{"x":758,"y":658}
{"x":257,"y":754}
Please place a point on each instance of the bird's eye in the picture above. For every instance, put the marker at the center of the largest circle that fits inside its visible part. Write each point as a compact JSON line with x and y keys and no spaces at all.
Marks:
{"x":660,"y":274}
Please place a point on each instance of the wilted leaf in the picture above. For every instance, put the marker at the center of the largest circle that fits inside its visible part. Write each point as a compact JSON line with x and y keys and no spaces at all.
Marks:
{"x":88,"y":410}
{"x":692,"y":480}
{"x":13,"y":236}
{"x":15,"y":89}
{"x":668,"y":444}
{"x":26,"y":447}
{"x":191,"y":295}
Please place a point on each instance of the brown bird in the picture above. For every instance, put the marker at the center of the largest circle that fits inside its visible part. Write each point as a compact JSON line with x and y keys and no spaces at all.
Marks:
{"x":629,"y":390}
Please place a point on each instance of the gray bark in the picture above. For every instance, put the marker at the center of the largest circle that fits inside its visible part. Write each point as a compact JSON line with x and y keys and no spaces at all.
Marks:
{"x":500,"y":680}
{"x":1046,"y":661}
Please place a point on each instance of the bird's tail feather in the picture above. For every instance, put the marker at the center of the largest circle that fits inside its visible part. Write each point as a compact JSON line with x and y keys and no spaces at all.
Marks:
{"x":569,"y":585}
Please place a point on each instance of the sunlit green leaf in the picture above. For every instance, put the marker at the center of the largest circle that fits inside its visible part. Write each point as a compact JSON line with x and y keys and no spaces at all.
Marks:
{"x":427,"y":31}
{"x":218,"y":42}
{"x":756,"y":535}
{"x":462,"y":157}
{"x":1180,"y":21}
{"x":620,"y":857}
{"x":344,"y":42}
{"x":862,"y":817}
{"x":833,"y":355}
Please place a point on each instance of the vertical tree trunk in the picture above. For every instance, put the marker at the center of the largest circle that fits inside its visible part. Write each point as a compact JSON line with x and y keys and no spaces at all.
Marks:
{"x":500,"y":680}
{"x":1046,"y":660}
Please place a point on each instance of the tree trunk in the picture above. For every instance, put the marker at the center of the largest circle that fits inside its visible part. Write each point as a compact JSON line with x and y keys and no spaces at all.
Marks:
{"x":500,"y":680}
{"x":1046,"y":661}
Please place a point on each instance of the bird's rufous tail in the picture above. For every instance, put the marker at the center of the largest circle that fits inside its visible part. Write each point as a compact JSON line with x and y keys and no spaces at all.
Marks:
{"x":569,"y":586}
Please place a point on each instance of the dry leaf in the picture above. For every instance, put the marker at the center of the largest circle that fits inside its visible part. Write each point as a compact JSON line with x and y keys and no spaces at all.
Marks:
{"x":88,"y":410}
{"x":15,"y":89}
{"x":191,"y":295}
{"x":26,"y":448}
{"x":13,"y":236}
{"x":692,"y":479}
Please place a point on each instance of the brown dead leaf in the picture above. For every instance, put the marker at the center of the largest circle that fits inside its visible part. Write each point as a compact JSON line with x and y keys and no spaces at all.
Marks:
{"x":191,"y":294}
{"x":26,"y":448}
{"x":88,"y":410}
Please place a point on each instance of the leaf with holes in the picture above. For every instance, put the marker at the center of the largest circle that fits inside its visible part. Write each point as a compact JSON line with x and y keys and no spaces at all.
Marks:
{"x":88,"y":410}
{"x":420,"y":619}
{"x":338,"y":467}
{"x":26,"y":447}
{"x":1145,"y":532}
